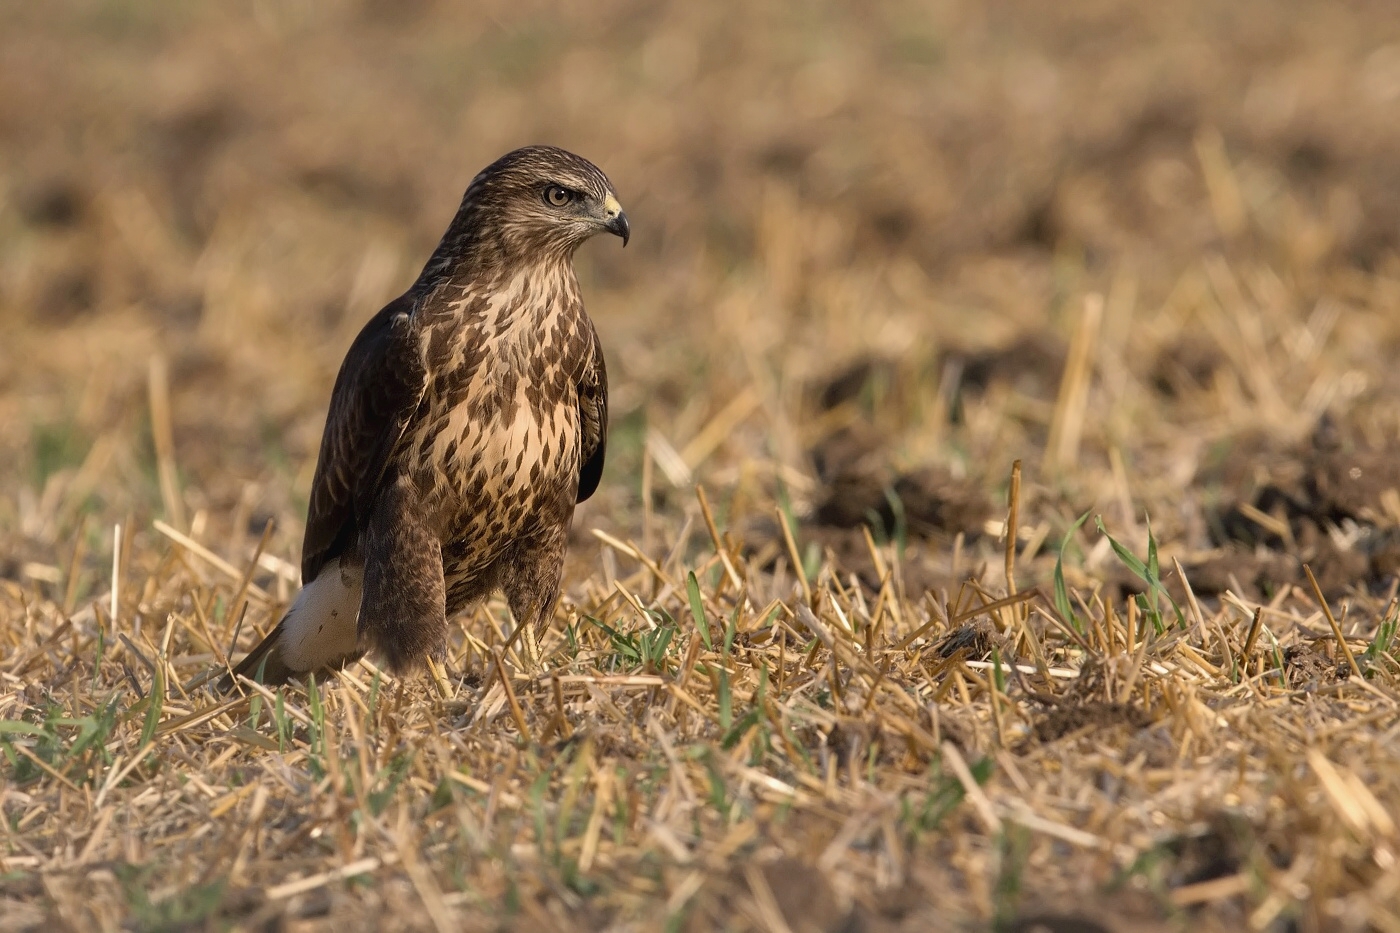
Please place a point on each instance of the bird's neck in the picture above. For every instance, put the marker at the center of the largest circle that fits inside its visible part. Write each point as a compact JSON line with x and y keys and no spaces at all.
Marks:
{"x":511,"y":314}
{"x":473,"y":251}
{"x":501,"y":297}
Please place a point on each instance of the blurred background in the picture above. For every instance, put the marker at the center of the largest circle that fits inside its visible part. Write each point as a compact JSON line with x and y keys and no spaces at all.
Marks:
{"x":865,"y":238}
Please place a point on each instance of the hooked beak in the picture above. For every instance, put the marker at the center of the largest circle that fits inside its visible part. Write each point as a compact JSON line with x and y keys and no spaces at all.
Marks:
{"x":616,"y":220}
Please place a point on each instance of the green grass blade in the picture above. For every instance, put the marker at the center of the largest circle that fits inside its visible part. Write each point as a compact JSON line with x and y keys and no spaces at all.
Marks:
{"x":155,"y":708}
{"x":15,"y":727}
{"x":1125,"y":556}
{"x":1149,"y":573}
{"x":697,"y":609}
{"x":726,"y":701}
{"x":1062,"y":603}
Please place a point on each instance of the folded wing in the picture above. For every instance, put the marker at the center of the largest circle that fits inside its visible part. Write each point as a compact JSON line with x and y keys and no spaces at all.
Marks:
{"x":593,"y":420}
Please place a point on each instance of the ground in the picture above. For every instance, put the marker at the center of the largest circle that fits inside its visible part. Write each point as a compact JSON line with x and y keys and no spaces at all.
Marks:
{"x":907,"y":282}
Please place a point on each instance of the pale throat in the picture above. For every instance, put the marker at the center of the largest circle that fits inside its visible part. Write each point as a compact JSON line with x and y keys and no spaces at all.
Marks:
{"x":533,"y":296}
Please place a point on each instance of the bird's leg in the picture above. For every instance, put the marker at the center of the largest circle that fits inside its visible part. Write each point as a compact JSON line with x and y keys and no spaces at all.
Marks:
{"x":532,"y":589}
{"x":528,"y":642}
{"x":439,"y":675}
{"x":403,"y":616}
{"x":526,"y":633}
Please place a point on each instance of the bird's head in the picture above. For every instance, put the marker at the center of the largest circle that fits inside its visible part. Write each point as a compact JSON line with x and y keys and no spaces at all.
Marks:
{"x":543,"y":200}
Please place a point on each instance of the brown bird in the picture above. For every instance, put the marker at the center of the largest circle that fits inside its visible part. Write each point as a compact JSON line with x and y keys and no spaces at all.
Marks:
{"x":469,"y":417}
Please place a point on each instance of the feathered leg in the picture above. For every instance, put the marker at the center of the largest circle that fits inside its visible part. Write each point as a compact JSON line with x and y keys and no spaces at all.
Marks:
{"x":404,"y":614}
{"x":531,"y":584}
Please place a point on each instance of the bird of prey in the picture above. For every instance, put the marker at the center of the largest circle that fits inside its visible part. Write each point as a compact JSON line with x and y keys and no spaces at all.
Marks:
{"x":468,"y":419}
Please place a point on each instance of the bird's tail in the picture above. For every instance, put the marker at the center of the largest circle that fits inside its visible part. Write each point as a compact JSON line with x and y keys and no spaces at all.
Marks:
{"x":319,"y":631}
{"x":264,"y":663}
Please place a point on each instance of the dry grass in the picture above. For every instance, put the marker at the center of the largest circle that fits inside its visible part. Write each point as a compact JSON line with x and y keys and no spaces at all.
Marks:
{"x":909,"y":283}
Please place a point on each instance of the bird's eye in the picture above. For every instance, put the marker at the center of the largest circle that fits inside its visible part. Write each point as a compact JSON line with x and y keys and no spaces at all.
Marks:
{"x":556,"y":196}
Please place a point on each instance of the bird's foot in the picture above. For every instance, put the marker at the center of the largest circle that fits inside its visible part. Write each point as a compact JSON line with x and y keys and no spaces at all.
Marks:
{"x":533,"y":655}
{"x":435,"y":670}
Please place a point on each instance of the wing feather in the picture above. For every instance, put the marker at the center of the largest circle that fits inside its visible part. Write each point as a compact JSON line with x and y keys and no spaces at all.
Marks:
{"x":593,"y":420}
{"x":379,"y":386}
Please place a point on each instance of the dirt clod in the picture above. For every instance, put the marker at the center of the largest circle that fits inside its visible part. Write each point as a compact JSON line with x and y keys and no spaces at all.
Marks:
{"x":1062,"y":720}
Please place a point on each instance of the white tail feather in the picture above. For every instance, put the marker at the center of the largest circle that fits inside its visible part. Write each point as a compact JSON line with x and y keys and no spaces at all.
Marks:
{"x":321,"y":627}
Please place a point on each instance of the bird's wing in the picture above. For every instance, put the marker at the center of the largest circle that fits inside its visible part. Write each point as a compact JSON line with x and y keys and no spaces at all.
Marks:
{"x":593,"y":419}
{"x":379,"y":387}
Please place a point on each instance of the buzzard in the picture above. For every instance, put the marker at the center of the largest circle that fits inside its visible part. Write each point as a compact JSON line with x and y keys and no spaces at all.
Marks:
{"x":469,"y":417}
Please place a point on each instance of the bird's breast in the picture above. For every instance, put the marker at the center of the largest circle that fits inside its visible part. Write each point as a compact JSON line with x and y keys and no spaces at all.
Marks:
{"x":498,"y":445}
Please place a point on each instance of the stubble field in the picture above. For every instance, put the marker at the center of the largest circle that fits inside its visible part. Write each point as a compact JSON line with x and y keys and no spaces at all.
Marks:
{"x":907,"y":283}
